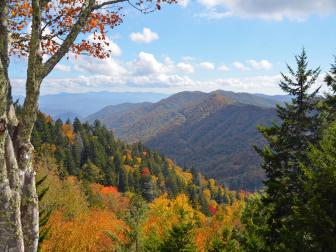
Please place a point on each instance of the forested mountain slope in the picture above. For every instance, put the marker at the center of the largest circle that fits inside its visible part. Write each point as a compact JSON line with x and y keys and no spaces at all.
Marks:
{"x":220,"y":145}
{"x":91,"y":153}
{"x":212,"y":132}
{"x":141,"y":121}
{"x":144,"y":120}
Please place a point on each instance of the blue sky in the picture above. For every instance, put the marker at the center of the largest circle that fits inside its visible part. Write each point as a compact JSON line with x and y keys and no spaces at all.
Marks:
{"x":238,"y":45}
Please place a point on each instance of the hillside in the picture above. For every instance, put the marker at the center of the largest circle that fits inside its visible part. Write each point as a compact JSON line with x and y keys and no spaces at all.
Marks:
{"x":220,"y":145}
{"x":91,"y":153}
{"x":124,"y":196}
{"x":142,"y":121}
{"x":213,"y":132}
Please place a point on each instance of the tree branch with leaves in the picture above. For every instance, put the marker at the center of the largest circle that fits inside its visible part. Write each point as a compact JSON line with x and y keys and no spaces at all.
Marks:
{"x":44,"y":32}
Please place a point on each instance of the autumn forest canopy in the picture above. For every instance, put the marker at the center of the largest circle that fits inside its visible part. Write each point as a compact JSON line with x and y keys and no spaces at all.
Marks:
{"x":74,"y":186}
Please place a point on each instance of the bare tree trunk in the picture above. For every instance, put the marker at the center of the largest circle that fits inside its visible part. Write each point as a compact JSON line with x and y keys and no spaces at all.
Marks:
{"x":19,"y":203}
{"x":11,"y":236}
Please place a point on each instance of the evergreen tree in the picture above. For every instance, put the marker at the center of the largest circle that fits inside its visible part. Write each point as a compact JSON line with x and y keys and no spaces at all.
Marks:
{"x":123,"y":180}
{"x":319,"y":213}
{"x":77,"y":125}
{"x":91,"y":153}
{"x":136,"y":214}
{"x":226,"y":241}
{"x":286,"y":148}
{"x":180,"y":239}
{"x":329,"y":106}
{"x":254,"y":218}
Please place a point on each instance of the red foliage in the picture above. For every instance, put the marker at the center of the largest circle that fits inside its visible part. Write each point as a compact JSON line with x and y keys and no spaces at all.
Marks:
{"x":212,"y":209}
{"x":145,"y":172}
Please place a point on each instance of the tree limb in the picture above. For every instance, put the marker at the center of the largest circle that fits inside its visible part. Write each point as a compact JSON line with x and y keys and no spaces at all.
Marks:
{"x":70,"y":39}
{"x":33,"y":78}
{"x":99,"y":6}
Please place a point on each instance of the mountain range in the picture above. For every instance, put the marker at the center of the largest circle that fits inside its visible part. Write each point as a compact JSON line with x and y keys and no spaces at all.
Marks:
{"x":70,"y":105}
{"x":211,"y":132}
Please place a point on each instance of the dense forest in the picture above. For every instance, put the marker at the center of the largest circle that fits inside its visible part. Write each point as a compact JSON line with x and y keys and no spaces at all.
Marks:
{"x":129,"y":198}
{"x":91,"y":153}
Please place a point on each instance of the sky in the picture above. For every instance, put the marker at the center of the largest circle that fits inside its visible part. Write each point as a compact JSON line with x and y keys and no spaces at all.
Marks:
{"x":205,"y":45}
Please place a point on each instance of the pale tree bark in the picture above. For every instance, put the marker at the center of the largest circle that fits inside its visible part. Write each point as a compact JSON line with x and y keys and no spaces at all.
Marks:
{"x":18,"y":198}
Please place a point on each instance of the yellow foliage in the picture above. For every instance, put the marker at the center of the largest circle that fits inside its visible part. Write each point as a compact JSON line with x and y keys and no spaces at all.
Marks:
{"x":68,"y":132}
{"x":129,"y":156}
{"x":138,"y":160}
{"x":48,"y":119}
{"x":213,"y":186}
{"x":63,"y":194}
{"x":164,"y":213}
{"x":128,"y":168}
{"x":226,"y":216}
{"x":185,"y":176}
{"x":170,"y":163}
{"x":207,"y":194}
{"x":154,"y":179}
{"x":204,"y":181}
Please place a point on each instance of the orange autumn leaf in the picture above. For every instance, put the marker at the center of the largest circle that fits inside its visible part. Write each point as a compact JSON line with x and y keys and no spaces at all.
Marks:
{"x":109,"y":190}
{"x":91,"y":232}
{"x":93,"y":22}
{"x":145,"y":172}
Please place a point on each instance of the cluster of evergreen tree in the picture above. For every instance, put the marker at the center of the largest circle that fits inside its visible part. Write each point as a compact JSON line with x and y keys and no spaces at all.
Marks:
{"x":91,"y":153}
{"x":298,"y":206}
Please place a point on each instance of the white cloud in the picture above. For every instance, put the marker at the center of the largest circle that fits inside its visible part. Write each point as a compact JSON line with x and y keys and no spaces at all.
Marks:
{"x":146,"y":36}
{"x":146,"y":63}
{"x":183,"y":3}
{"x":260,"y":65}
{"x":160,"y":83}
{"x":223,"y":68}
{"x":240,"y":66}
{"x":148,"y":73}
{"x":185,"y":67}
{"x":63,"y":68}
{"x":107,"y":67}
{"x":271,"y":9}
{"x":207,"y":65}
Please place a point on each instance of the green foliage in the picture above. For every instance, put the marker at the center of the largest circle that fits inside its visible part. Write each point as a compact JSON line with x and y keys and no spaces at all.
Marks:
{"x":295,"y":213}
{"x":287,"y":147}
{"x":226,"y":241}
{"x":319,"y":211}
{"x":136,"y":214}
{"x":44,"y":214}
{"x":255,"y":217}
{"x":329,"y":105}
{"x":179,"y":239}
{"x":91,"y":153}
